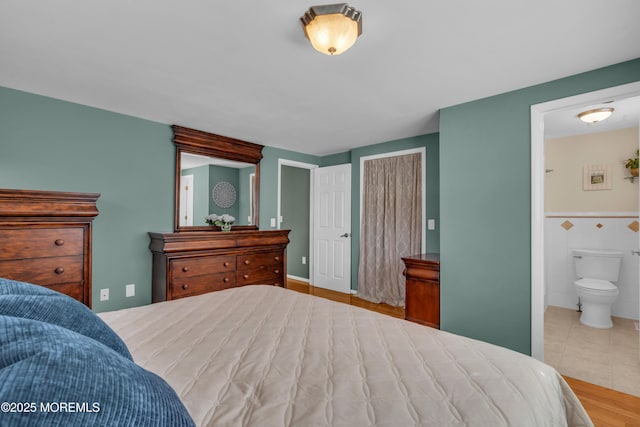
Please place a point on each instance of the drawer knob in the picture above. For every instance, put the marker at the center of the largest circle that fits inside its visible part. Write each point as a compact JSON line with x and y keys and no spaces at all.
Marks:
{"x":185,"y":286}
{"x":59,"y":270}
{"x":246,"y":261}
{"x":277,"y":258}
{"x":246,"y":276}
{"x":226,"y":263}
{"x":225,"y":280}
{"x":185,"y":269}
{"x":59,"y":242}
{"x":277,"y":271}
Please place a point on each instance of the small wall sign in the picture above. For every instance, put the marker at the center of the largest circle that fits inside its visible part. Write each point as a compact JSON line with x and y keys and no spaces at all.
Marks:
{"x":596,"y":177}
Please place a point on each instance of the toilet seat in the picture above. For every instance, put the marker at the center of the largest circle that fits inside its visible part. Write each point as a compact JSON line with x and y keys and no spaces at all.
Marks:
{"x":596,"y":285}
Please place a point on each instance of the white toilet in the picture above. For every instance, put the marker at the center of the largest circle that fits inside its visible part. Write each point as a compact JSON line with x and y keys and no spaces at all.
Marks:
{"x":596,"y":270}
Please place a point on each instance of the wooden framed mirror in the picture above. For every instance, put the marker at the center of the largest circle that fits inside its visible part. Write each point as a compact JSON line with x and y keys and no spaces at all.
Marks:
{"x":215,"y":175}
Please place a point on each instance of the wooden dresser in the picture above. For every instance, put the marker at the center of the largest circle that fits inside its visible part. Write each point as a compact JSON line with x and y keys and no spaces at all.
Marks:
{"x":193,"y":263}
{"x":423,"y":289}
{"x":45,"y":239}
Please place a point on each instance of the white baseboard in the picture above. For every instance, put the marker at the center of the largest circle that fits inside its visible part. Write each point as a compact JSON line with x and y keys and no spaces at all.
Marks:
{"x":299,"y":279}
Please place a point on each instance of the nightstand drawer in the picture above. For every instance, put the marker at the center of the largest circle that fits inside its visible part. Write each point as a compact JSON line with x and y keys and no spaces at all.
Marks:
{"x":192,"y":267}
{"x":23,"y":243}
{"x":44,"y":271}
{"x":422,"y":273}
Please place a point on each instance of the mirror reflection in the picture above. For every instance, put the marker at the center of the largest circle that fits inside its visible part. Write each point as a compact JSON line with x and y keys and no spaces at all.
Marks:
{"x":210,"y":185}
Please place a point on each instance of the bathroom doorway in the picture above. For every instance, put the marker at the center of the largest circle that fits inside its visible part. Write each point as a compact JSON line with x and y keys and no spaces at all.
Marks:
{"x":567,"y":214}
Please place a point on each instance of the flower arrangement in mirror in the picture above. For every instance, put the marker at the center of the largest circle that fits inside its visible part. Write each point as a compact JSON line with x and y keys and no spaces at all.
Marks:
{"x":223,"y":221}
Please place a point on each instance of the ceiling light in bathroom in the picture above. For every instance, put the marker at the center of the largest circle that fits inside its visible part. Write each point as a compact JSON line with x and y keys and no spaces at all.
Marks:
{"x":597,"y":115}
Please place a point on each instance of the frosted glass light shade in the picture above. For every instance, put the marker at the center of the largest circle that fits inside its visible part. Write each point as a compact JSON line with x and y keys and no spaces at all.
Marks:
{"x":332,"y":29}
{"x":597,"y":115}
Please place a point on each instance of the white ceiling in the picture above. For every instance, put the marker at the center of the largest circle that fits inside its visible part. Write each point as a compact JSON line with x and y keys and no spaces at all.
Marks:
{"x":244,"y":69}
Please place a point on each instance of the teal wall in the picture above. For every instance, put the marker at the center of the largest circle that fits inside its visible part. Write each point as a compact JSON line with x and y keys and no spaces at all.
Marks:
{"x":294,"y":205}
{"x":269,"y":180}
{"x":48,"y":144}
{"x":201,"y":194}
{"x":336,"y":159}
{"x":431,"y":203}
{"x":485,"y":207}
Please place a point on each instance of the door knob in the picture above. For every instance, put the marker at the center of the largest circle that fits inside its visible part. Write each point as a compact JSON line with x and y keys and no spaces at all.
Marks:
{"x":345,"y":235}
{"x":635,"y":252}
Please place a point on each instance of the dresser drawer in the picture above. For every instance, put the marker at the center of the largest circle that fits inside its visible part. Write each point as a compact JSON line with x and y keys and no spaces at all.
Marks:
{"x":196,"y":285}
{"x":74,"y":290}
{"x":25,"y":243}
{"x":260,"y":259}
{"x":192,"y":267}
{"x":45,"y":271}
{"x":265,"y":274}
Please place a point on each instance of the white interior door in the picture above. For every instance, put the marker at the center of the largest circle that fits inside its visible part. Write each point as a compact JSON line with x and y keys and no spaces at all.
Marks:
{"x":332,"y":228}
{"x":186,"y":200}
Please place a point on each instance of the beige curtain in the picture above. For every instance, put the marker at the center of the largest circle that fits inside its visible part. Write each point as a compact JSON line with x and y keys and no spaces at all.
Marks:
{"x":391,"y":226}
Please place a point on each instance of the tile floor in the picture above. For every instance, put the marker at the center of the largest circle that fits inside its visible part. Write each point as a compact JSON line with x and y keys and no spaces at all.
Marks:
{"x":606,"y":357}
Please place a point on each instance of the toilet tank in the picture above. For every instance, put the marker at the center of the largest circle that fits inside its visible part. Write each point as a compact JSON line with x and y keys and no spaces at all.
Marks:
{"x":600,"y":264}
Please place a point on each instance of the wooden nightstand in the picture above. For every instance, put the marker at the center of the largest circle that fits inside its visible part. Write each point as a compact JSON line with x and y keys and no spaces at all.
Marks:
{"x":423,"y":289}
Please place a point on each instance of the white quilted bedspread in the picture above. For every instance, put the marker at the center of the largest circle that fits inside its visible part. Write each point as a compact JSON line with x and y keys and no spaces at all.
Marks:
{"x":267,"y":356}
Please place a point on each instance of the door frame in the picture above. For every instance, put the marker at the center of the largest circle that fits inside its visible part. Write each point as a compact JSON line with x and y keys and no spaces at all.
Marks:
{"x":423,"y":157}
{"x":186,"y":200}
{"x":300,"y":165}
{"x":538,"y":112}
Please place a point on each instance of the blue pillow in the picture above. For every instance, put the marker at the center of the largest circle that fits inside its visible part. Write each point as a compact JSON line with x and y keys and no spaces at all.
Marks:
{"x":52,"y":376}
{"x":19,"y":299}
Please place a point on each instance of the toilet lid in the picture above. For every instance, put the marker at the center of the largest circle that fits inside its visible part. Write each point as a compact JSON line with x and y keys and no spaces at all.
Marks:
{"x":596,"y":284}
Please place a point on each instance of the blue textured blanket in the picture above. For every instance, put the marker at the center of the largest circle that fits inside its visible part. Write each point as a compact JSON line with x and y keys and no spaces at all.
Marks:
{"x":60,"y":365}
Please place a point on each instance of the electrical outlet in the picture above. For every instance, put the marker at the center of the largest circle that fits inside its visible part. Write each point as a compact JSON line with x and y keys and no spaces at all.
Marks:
{"x":130,"y":290}
{"x":431,"y":224}
{"x":104,"y":294}
{"x":273,"y":222}
{"x":304,"y":259}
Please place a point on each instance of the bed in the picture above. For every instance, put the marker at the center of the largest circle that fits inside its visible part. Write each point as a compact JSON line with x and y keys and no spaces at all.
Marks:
{"x":267,"y":356}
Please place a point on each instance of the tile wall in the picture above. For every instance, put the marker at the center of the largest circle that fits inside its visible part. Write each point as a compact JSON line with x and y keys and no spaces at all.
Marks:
{"x":593,"y":230}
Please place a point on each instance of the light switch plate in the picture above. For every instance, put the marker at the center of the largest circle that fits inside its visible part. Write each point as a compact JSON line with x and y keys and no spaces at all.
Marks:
{"x":431,"y":224}
{"x":130,"y":290}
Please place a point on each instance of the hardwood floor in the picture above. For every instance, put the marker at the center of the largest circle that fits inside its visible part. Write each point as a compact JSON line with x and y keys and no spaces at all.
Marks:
{"x":305,"y":288}
{"x":606,"y":407}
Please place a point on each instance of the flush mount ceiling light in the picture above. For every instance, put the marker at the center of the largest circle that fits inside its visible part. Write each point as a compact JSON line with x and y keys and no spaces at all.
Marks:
{"x":597,"y":115}
{"x":332,"y":28}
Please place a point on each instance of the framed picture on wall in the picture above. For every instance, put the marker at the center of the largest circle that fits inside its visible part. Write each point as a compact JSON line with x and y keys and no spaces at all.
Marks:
{"x":596,"y":177}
